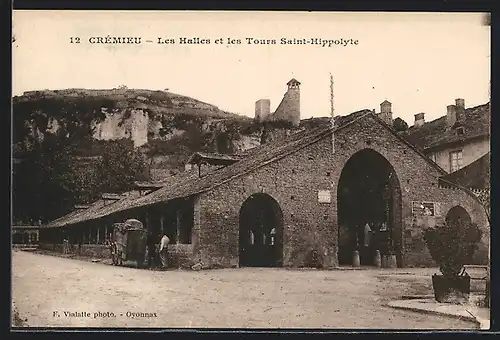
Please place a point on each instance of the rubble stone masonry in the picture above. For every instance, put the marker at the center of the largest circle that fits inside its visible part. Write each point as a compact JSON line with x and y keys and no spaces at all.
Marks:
{"x":294,"y":181}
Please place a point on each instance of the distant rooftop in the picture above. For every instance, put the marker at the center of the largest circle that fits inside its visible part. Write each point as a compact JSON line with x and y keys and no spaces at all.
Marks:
{"x":434,"y":134}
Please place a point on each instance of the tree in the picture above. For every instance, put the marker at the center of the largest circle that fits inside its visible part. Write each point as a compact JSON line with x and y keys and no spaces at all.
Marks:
{"x":119,"y":166}
{"x":86,"y":182}
{"x":41,"y":184}
{"x":452,"y":245}
{"x":399,"y":125}
{"x":485,"y":199}
{"x":44,"y":184}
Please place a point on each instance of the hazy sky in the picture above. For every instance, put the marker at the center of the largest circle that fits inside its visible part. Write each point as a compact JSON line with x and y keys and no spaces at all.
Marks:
{"x":420,"y":62}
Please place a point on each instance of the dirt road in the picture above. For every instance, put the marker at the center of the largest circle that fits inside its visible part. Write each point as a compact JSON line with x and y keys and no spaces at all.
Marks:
{"x":56,"y":292}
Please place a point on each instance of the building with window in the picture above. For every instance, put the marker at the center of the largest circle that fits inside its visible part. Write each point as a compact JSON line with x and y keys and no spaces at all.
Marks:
{"x":25,"y":235}
{"x":475,"y":176}
{"x":299,"y":201}
{"x":456,"y":139}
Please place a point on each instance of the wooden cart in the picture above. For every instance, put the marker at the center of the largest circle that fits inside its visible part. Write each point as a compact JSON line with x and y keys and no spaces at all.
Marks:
{"x":129,"y":243}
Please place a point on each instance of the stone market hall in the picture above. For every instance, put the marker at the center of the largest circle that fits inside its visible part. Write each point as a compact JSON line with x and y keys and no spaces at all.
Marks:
{"x":297,"y":202}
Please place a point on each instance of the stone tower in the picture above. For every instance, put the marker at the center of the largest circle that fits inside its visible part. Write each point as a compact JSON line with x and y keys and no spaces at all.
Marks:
{"x":293,"y":93}
{"x":289,"y":108}
{"x":262,"y":109}
{"x":386,"y":112}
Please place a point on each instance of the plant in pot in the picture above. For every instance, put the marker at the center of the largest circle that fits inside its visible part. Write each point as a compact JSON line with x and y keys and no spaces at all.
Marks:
{"x":391,"y":257}
{"x":451,"y":246}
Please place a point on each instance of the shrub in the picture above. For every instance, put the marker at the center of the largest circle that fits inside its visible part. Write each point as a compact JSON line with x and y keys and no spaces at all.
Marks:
{"x":452,"y":246}
{"x":399,"y":125}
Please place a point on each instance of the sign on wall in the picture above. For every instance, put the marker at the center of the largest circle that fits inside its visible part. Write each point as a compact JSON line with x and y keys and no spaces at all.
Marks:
{"x":324,"y":196}
{"x":438,"y":210}
{"x":423,"y":208}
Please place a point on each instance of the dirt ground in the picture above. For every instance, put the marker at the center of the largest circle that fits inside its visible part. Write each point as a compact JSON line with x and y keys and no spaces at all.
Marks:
{"x":47,"y":289}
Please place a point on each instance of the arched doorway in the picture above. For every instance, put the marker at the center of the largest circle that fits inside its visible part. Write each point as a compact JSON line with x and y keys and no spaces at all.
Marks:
{"x":458,"y":216}
{"x":261,"y":232}
{"x":368,"y":209}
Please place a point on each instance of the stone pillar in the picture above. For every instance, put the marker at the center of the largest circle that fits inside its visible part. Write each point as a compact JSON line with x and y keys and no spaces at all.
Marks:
{"x":146,"y":218}
{"x":195,"y":231}
{"x":355,"y":259}
{"x":377,"y":260}
{"x":162,"y":222}
{"x":178,"y":226}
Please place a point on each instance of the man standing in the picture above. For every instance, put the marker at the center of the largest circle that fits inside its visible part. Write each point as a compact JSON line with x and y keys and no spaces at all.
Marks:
{"x":163,"y":251}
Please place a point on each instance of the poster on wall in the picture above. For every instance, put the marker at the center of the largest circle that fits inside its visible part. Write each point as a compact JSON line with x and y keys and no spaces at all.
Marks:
{"x":324,"y":196}
{"x":437,"y":209}
{"x":423,"y":209}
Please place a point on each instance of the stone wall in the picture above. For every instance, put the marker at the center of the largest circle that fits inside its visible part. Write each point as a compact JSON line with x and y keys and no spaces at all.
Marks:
{"x":180,"y":256}
{"x":418,"y":179}
{"x":99,"y":251}
{"x":92,"y":250}
{"x":294,"y":182}
{"x":289,"y":108}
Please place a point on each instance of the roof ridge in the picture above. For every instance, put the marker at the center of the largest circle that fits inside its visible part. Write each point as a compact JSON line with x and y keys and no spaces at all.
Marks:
{"x":467,"y":190}
{"x":410,"y":145}
{"x":315,"y":135}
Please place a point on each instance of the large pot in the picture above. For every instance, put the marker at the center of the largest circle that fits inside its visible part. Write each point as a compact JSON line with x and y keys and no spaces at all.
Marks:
{"x":454,"y":290}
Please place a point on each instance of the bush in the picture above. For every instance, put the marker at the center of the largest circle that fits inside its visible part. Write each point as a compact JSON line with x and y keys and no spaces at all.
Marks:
{"x":452,"y":246}
{"x":399,"y":125}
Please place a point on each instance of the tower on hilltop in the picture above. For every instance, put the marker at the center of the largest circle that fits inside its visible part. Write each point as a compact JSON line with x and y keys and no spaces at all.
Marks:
{"x":288,"y":110}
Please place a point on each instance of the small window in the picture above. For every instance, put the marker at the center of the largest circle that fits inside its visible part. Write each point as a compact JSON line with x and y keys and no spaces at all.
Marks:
{"x":456,"y":160}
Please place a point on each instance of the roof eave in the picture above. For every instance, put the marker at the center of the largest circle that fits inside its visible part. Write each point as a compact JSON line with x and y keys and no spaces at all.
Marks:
{"x":445,"y":145}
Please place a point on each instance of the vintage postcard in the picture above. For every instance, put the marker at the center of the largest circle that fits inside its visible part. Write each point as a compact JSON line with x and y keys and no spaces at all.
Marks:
{"x":278,"y":170}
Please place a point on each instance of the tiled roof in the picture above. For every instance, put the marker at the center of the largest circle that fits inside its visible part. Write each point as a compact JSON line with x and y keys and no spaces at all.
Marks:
{"x":29,"y":227}
{"x":188,"y":183}
{"x":103,"y":208}
{"x":435,"y":133}
{"x":293,"y":80}
{"x":77,"y":214}
{"x":147,"y":185}
{"x":475,"y":175}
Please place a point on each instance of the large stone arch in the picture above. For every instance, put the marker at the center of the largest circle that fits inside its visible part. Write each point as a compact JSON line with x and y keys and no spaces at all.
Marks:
{"x":458,"y":214}
{"x":260,"y":232}
{"x":368,"y":191}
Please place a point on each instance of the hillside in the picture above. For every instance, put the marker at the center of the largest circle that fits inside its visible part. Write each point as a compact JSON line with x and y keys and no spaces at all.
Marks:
{"x":70,"y":146}
{"x":165,"y":126}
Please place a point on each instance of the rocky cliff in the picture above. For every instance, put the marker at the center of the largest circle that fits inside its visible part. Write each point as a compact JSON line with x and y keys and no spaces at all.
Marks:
{"x":166,"y":126}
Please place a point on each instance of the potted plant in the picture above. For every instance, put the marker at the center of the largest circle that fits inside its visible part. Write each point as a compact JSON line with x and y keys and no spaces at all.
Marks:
{"x":388,"y":253}
{"x":391,"y":257}
{"x":451,"y":246}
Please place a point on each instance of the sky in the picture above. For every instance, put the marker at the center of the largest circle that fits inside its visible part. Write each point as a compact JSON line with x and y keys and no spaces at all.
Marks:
{"x":420,"y":62}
